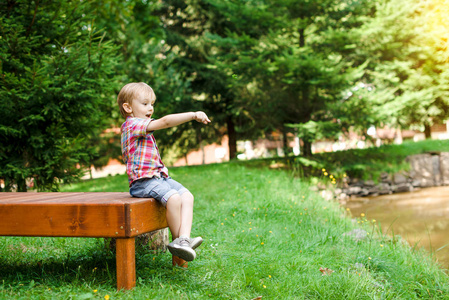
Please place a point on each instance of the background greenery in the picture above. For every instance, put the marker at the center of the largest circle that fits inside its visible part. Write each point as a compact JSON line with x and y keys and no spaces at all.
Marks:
{"x":265,"y":234}
{"x":317,"y":69}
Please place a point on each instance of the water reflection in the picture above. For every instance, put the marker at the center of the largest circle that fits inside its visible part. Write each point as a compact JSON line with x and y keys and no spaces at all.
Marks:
{"x":420,"y":217}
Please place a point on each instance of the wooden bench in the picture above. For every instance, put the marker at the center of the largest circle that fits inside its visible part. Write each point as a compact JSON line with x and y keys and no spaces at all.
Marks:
{"x":98,"y":215}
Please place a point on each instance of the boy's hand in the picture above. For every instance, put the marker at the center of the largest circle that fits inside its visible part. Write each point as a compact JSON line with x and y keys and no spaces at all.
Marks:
{"x":201,"y":117}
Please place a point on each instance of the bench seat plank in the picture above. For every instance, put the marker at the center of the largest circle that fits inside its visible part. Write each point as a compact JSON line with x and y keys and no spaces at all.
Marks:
{"x":78,"y":215}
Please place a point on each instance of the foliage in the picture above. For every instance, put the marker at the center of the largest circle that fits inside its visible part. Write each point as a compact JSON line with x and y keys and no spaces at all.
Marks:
{"x":56,"y":73}
{"x":407,"y":44}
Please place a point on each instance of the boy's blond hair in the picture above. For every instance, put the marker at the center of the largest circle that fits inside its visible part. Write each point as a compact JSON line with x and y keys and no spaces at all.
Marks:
{"x":132,"y":91}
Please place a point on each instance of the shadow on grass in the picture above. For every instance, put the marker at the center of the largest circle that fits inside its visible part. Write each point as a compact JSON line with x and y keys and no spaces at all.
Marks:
{"x":96,"y":267}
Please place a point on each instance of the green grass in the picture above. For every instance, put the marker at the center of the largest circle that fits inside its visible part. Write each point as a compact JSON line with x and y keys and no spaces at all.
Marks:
{"x":265,"y":234}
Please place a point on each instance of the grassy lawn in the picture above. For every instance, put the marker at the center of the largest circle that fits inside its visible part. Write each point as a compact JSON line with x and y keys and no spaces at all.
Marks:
{"x":265,"y":234}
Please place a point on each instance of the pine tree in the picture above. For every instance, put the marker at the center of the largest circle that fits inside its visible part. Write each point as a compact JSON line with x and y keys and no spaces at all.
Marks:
{"x":57,"y":90}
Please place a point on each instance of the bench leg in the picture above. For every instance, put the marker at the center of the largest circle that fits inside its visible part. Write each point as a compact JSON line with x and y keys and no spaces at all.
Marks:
{"x":126,"y":263}
{"x":179,"y":262}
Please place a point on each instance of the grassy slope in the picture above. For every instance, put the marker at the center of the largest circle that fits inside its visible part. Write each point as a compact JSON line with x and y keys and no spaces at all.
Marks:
{"x":266,"y":234}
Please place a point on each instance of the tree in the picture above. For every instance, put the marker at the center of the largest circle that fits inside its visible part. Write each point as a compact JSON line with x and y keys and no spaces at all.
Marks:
{"x":407,"y":43}
{"x":56,"y":86}
{"x":300,"y":67}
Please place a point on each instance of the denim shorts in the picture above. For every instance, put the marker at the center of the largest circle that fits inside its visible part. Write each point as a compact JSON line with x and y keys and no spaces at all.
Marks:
{"x":160,"y":189}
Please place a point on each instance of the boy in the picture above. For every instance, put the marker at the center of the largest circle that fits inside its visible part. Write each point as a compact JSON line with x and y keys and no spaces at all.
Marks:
{"x":148,"y":176}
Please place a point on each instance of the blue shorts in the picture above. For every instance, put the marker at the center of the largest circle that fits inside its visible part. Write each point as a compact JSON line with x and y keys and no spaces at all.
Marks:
{"x":160,"y":189}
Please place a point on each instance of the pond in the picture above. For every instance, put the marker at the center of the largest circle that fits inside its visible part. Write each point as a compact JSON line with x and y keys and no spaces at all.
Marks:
{"x":421,"y":217}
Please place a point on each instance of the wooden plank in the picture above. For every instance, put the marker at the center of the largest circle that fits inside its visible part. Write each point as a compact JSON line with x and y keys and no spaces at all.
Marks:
{"x":79,"y":214}
{"x":64,"y":197}
{"x":66,"y":220}
{"x":126,"y":263}
{"x":145,"y":217}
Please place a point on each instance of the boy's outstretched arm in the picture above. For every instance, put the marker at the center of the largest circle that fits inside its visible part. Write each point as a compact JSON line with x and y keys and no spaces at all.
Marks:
{"x":177,"y":119}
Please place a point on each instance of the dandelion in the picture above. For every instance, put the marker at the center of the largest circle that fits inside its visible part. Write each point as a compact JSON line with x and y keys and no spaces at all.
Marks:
{"x":233,"y":215}
{"x":362,"y":214}
{"x":325,"y":173}
{"x":323,"y":170}
{"x":249,"y":223}
{"x":264,"y":286}
{"x":269,"y":276}
{"x":381,"y":245}
{"x":374,"y":221}
{"x":262,"y":243}
{"x":369,"y":258}
{"x":285,"y":228}
{"x":222,"y":224}
{"x":95,"y":291}
{"x":243,"y":230}
{"x":106,"y":297}
{"x":270,"y":231}
{"x":331,"y":176}
{"x":348,"y":209}
{"x":250,"y":229}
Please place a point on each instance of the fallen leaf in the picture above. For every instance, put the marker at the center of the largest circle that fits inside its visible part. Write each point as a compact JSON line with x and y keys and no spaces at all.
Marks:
{"x":326,"y":271}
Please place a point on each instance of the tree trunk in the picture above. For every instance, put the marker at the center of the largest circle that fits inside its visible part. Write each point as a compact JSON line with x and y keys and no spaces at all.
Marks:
{"x":307,"y":148}
{"x":285,"y":142}
{"x":427,"y":131}
{"x":302,"y":40}
{"x":232,"y":143}
{"x":155,"y":240}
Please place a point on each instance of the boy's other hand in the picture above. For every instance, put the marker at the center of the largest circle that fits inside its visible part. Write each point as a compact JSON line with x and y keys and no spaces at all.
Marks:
{"x":201,"y":117}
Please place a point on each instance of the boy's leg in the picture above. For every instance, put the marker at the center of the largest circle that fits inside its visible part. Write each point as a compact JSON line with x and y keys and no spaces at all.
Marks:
{"x":173,"y":215}
{"x":180,"y":246}
{"x":180,"y":214}
{"x":186,"y":214}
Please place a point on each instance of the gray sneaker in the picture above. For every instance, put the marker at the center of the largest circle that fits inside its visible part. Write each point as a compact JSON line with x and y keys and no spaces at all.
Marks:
{"x":195,"y":242}
{"x":180,"y":247}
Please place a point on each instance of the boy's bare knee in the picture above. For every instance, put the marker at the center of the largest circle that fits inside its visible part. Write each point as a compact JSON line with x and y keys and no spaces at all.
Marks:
{"x":187,"y":197}
{"x":174,"y":200}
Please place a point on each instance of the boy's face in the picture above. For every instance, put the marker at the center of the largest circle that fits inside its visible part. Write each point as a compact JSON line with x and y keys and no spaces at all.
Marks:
{"x":142,"y":107}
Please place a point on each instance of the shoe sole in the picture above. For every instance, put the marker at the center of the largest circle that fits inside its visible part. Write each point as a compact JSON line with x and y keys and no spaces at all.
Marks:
{"x":182,"y":252}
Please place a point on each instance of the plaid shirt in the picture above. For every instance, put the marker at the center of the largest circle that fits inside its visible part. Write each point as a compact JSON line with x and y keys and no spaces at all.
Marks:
{"x":140,"y":152}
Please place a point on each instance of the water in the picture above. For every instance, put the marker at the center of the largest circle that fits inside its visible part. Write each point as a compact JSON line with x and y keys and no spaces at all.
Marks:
{"x":421,"y":217}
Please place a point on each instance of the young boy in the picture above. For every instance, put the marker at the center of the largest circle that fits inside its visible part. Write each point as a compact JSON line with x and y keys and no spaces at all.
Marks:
{"x":148,"y":176}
